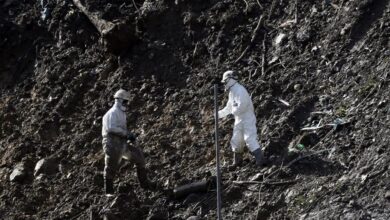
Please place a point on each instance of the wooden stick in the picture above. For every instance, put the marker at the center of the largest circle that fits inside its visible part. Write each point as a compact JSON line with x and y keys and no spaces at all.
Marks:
{"x":254,"y":34}
{"x":256,"y":29}
{"x":246,"y":6}
{"x":284,"y":102}
{"x":263,"y":57}
{"x":272,"y":9}
{"x":311,"y":128}
{"x":136,"y":8}
{"x":261,"y":7}
{"x":242,"y":54}
{"x":258,"y":64}
{"x":273,"y":65}
{"x":261,"y":187}
{"x":296,"y":11}
{"x":265,"y":182}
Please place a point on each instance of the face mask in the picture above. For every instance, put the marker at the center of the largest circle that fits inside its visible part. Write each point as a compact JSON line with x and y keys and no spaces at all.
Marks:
{"x":122,"y":104}
{"x":228,"y":84}
{"x":226,"y":88}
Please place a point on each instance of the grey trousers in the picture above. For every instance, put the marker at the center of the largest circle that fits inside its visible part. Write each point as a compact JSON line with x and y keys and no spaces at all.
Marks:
{"x":116,"y":148}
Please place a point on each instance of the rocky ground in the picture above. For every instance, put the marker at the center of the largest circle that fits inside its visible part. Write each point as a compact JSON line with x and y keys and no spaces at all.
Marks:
{"x":320,"y":66}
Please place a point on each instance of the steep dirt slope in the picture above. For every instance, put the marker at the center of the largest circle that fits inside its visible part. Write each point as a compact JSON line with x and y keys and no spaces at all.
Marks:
{"x":329,"y":60}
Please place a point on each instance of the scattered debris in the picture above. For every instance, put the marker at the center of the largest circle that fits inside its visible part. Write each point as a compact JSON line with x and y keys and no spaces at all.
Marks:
{"x":288,"y":23}
{"x":300,"y":146}
{"x":257,"y":177}
{"x":322,"y":113}
{"x":297,"y":87}
{"x":45,"y":10}
{"x":336,"y":124}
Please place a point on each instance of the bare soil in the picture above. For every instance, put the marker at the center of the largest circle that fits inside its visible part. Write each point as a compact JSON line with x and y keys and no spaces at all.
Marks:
{"x":329,"y":60}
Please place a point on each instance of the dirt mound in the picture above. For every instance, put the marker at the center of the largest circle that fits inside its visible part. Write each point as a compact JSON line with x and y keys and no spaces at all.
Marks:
{"x":317,"y":73}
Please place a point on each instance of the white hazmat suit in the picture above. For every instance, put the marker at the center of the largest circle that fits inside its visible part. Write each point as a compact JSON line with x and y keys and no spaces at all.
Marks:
{"x":241,"y":106}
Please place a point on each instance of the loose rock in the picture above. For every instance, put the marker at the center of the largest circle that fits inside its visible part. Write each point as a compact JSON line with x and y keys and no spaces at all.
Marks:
{"x":46,"y":166}
{"x":19,"y":173}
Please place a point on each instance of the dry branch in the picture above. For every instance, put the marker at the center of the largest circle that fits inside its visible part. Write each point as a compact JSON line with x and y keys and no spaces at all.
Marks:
{"x":284,"y":102}
{"x":272,"y":9}
{"x":254,"y":35}
{"x":246,"y":6}
{"x":265,"y":182}
{"x":136,"y":8}
{"x":263,"y":57}
{"x":258,"y":2}
{"x":296,"y":12}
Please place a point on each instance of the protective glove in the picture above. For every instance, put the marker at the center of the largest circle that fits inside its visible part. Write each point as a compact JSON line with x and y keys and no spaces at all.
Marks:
{"x":131,"y":137}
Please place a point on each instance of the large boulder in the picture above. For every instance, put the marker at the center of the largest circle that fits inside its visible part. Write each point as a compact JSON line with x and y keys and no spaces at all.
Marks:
{"x":117,"y":35}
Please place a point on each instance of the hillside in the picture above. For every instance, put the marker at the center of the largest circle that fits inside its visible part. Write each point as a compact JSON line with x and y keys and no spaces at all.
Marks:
{"x":322,"y":65}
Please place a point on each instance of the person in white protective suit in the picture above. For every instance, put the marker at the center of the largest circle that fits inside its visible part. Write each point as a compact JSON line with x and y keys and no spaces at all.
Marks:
{"x":241,"y":107}
{"x":115,"y":147}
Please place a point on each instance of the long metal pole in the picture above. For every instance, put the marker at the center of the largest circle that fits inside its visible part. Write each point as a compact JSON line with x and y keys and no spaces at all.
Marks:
{"x":219,"y":202}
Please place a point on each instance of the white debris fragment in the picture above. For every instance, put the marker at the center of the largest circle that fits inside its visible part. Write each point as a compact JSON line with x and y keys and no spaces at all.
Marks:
{"x":279,"y":39}
{"x":284,"y":102}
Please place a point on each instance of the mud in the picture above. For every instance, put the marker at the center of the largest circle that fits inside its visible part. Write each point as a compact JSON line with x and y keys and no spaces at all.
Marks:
{"x":331,"y":65}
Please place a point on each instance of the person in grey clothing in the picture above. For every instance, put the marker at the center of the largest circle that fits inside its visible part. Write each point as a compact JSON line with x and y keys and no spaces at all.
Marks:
{"x":115,"y":136}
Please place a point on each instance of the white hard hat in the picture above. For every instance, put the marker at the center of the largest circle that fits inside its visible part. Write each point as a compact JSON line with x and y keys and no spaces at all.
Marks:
{"x":230,"y":74}
{"x":122,"y":94}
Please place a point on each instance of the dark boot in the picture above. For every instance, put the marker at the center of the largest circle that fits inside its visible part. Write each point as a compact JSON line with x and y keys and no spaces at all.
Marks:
{"x":143,"y":179}
{"x":109,"y":186}
{"x":258,"y":154}
{"x":237,"y":160}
